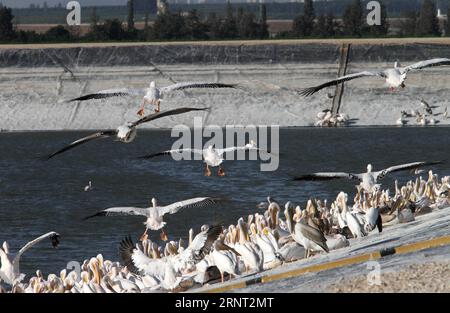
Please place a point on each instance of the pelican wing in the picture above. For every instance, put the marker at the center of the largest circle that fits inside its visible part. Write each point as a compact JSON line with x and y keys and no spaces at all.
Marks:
{"x":326,"y":176}
{"x":120,"y":211}
{"x":203,"y":242}
{"x":427,"y":63}
{"x":188,"y":204}
{"x":170,"y":152}
{"x":403,"y":167}
{"x":310,"y":91}
{"x":313,"y":234}
{"x":126,"y":250}
{"x":99,"y":135}
{"x":188,"y":85}
{"x":155,"y":116}
{"x":232,"y":149}
{"x":109,"y":93}
{"x":137,"y":262}
{"x":54,"y":237}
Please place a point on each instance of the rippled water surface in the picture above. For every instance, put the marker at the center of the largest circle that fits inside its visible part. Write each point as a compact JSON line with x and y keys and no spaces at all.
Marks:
{"x":39,"y":196}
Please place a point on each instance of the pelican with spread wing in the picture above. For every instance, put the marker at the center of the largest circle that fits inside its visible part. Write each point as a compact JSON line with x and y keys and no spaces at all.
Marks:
{"x":125,"y":133}
{"x":367,"y":180}
{"x":154,"y":214}
{"x":10,"y":269}
{"x":395,"y":77}
{"x":152,"y":94}
{"x":213,"y":157}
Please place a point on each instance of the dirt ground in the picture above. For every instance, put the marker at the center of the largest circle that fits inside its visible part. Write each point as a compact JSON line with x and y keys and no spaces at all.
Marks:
{"x":428,"y":277}
{"x":240,"y":42}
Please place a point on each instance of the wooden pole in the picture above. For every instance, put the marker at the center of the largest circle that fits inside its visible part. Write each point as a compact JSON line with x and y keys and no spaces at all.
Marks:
{"x":345,"y":52}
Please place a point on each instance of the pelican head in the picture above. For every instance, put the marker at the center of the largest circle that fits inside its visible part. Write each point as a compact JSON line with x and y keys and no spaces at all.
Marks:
{"x":5,"y":247}
{"x":154,"y":203}
{"x":126,"y":133}
{"x":270,"y":199}
{"x":210,"y":147}
{"x":152,"y":84}
{"x":369,"y":168}
{"x":397,"y":65}
{"x":251,"y":144}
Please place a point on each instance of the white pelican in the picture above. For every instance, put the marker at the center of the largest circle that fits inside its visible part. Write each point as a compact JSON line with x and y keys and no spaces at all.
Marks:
{"x":212,"y":157}
{"x":151,"y":95}
{"x":369,"y":179}
{"x":10,"y":269}
{"x":225,"y":259}
{"x":311,"y":238}
{"x":125,"y":133}
{"x":251,"y":253}
{"x":373,"y":219}
{"x":88,"y":187}
{"x":395,"y":77}
{"x":155,"y":213}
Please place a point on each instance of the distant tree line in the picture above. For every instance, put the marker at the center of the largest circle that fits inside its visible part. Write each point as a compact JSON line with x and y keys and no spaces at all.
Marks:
{"x":235,"y":23}
{"x":354,"y":24}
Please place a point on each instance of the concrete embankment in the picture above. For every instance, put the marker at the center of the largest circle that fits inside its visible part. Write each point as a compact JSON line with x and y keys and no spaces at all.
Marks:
{"x":35,"y":79}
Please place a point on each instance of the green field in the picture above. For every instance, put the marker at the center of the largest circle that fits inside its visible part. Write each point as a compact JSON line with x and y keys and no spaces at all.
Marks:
{"x":274,"y":10}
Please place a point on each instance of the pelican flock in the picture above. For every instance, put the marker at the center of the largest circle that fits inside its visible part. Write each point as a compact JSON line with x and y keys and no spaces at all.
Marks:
{"x":259,"y":241}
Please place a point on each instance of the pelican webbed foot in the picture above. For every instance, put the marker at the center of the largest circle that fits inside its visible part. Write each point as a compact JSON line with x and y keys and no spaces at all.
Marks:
{"x":163,"y":235}
{"x":141,"y":111}
{"x":207,"y":171}
{"x":144,"y":236}
{"x":220,"y":172}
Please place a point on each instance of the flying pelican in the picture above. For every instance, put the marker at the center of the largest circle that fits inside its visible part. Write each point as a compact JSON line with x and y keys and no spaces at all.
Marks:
{"x":10,"y":269}
{"x":151,"y":95}
{"x":155,"y":213}
{"x":395,"y":77}
{"x":367,"y":180}
{"x":212,"y":157}
{"x":125,"y":133}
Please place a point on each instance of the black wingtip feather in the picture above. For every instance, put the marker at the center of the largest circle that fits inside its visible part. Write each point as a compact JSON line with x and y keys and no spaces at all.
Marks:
{"x":126,"y":248}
